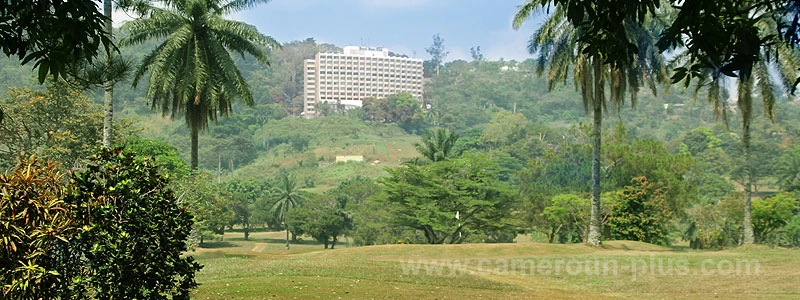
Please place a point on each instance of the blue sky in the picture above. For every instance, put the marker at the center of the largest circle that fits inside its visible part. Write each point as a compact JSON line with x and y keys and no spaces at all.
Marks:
{"x":403,"y":26}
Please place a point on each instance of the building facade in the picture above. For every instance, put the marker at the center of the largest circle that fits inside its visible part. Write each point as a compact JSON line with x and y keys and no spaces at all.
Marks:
{"x":346,"y":79}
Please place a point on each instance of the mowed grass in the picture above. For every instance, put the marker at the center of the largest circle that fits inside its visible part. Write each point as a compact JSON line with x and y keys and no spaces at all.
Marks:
{"x":262,"y":269}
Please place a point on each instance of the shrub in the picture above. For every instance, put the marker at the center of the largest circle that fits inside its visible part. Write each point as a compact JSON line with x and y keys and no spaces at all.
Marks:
{"x":35,"y":223}
{"x":132,"y":232}
{"x":114,"y":231}
{"x":640,"y":214}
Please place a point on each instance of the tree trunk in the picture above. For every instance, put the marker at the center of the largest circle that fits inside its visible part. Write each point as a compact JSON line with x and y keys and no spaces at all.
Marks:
{"x":595,"y":221}
{"x":749,"y":236}
{"x":333,"y":244}
{"x":246,"y":231}
{"x":294,"y":237}
{"x":287,"y":237}
{"x":745,"y":104}
{"x":194,"y":159}
{"x":108,"y":84}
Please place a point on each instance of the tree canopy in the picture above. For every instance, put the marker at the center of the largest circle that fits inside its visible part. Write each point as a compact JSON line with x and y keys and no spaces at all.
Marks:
{"x":55,"y":35}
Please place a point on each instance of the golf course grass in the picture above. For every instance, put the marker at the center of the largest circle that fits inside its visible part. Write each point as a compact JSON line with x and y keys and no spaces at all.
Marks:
{"x":262,"y":268}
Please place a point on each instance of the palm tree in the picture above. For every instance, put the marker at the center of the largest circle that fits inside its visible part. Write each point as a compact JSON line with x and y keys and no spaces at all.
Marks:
{"x":287,"y":196}
{"x":108,"y":84}
{"x":744,"y":47}
{"x":191,"y":71}
{"x":438,"y":145}
{"x":562,"y":49}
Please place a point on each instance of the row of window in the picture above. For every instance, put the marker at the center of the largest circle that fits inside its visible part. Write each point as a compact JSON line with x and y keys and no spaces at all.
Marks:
{"x":402,"y":86}
{"x":372,"y":77}
{"x":379,"y":69}
{"x":329,"y":64}
{"x":417,"y":75}
{"x":341,"y":56}
{"x":361,"y":96}
{"x":366,"y":82}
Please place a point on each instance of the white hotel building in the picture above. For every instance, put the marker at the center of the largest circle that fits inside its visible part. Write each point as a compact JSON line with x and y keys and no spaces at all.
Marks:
{"x":356,"y":74}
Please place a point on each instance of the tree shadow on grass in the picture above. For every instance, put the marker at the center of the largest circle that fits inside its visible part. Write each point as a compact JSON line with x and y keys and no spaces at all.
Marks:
{"x":283,"y":241}
{"x":217,"y":245}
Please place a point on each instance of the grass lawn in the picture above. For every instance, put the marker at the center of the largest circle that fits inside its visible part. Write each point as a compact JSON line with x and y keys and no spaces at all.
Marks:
{"x":262,"y":269}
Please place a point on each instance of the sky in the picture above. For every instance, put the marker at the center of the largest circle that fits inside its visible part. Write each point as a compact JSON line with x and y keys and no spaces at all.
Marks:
{"x":402,"y":26}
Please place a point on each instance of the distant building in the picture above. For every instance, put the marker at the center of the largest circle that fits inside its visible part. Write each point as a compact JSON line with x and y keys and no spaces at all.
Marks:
{"x":345,"y":79}
{"x":346,"y":158}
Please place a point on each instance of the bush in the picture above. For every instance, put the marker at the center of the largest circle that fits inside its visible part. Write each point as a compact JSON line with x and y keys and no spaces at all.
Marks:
{"x":770,"y":215}
{"x":35,"y":223}
{"x":640,"y":214}
{"x":114,"y":231}
{"x":791,"y":233}
{"x":715,"y":225}
{"x":132,"y":232}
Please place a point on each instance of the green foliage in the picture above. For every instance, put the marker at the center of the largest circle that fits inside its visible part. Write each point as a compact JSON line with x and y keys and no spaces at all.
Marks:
{"x":791,"y":234}
{"x":449,"y":200}
{"x":55,"y":35}
{"x":115,"y":230}
{"x":568,"y":218}
{"x":714,"y":225}
{"x":631,"y":158}
{"x":561,"y":168}
{"x":56,"y":123}
{"x":371,"y":222}
{"x":640,"y":213}
{"x":132,"y":231}
{"x":505,"y":128}
{"x":437,"y":52}
{"x":438,"y":145}
{"x":700,"y":139}
{"x":771,"y":214}
{"x":36,"y":223}
{"x":164,"y":154}
{"x":788,"y":171}
{"x":249,"y":200}
{"x":205,"y":86}
{"x":325,"y":224}
{"x":401,"y":108}
{"x":286,"y":196}
{"x":299,"y":142}
{"x":210,"y":205}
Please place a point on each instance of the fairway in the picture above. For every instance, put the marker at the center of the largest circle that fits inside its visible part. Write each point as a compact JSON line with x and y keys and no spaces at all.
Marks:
{"x":262,"y":269}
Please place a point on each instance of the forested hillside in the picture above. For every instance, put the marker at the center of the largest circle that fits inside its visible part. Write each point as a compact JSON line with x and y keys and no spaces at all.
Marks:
{"x":671,"y":145}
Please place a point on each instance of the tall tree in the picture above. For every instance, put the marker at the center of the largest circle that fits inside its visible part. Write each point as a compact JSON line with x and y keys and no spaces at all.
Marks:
{"x":476,"y":54}
{"x":605,"y":45}
{"x":191,"y":71}
{"x":287,"y":196}
{"x":437,"y":52}
{"x":739,"y":40}
{"x":449,"y":200}
{"x":108,"y":85}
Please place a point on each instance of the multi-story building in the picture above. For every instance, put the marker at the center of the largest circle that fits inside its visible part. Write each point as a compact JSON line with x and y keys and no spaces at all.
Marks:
{"x":345,"y":79}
